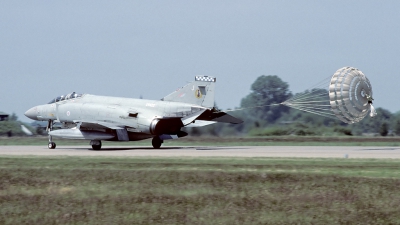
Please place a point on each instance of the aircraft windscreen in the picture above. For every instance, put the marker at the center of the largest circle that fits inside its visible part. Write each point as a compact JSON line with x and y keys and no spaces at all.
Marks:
{"x":65,"y":97}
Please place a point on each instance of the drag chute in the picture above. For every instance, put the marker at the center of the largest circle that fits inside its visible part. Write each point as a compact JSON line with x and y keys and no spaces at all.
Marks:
{"x":347,"y":98}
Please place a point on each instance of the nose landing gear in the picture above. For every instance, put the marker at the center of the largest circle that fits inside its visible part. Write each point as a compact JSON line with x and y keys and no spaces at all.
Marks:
{"x":52,"y":145}
{"x":49,"y":128}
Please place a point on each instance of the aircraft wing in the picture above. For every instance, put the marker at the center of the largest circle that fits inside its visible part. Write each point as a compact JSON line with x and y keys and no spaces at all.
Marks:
{"x":121,"y":132}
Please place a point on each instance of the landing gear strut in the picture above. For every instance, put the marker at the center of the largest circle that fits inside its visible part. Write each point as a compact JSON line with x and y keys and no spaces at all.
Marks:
{"x":156,"y":142}
{"x":49,"y":128}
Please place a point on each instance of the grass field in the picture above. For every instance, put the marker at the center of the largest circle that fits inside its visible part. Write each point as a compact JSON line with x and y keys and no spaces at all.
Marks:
{"x":91,"y":190}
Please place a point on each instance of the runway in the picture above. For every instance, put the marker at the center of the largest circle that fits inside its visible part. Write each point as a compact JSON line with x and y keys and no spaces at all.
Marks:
{"x":209,"y":151}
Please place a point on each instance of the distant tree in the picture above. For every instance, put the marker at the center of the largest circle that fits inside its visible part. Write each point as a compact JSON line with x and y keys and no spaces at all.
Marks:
{"x":384,"y":113}
{"x":13,"y":117}
{"x":40,"y":130}
{"x":397,"y":127}
{"x":266,"y":91}
{"x":10,"y":128}
{"x":384,"y":129}
{"x":375,"y":124}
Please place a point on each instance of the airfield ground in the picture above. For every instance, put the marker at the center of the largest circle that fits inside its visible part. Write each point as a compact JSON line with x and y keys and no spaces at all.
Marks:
{"x":210,"y":151}
{"x":200,"y":184}
{"x":225,"y":141}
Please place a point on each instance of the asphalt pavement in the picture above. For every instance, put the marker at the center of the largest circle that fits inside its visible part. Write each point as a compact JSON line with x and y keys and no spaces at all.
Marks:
{"x":210,"y":151}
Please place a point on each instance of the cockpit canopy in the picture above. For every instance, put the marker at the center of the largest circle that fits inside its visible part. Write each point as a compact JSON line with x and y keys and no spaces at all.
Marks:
{"x":65,"y":97}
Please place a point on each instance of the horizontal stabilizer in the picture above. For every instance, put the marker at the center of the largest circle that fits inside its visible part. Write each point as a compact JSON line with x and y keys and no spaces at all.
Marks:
{"x":200,"y":123}
{"x":226,"y":118}
{"x":219,"y":116}
{"x":208,"y":117}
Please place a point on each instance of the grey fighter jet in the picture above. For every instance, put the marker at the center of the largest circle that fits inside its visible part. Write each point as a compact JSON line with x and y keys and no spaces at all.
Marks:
{"x":97,"y":118}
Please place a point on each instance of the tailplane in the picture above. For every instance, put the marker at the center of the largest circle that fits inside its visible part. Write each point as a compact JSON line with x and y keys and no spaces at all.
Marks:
{"x":198,"y":92}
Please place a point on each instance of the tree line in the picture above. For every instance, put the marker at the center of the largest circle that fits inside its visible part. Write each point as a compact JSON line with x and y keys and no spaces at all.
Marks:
{"x":12,"y":127}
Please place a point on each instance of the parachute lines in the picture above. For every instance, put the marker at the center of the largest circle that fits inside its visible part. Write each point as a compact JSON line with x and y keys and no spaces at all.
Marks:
{"x":346,"y":96}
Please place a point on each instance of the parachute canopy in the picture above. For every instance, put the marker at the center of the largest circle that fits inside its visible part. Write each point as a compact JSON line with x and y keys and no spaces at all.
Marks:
{"x":347,"y":98}
{"x":349,"y":93}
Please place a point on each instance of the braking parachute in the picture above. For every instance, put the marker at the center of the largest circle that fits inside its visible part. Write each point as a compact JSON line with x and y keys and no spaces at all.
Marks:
{"x":348,"y":97}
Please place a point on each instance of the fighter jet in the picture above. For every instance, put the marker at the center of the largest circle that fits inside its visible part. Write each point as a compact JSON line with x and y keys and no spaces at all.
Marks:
{"x":98,"y":118}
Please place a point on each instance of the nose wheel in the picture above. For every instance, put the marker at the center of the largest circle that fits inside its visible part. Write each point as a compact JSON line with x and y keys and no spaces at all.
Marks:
{"x":52,"y":145}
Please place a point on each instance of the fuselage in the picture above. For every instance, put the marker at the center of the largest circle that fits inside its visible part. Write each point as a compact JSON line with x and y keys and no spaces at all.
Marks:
{"x":135,"y":114}
{"x":98,"y":118}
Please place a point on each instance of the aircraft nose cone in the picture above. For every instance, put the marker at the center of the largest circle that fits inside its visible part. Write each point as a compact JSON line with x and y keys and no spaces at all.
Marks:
{"x":31,"y":113}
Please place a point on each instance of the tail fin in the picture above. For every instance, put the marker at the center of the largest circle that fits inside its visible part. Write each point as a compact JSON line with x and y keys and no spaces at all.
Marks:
{"x":199,"y":92}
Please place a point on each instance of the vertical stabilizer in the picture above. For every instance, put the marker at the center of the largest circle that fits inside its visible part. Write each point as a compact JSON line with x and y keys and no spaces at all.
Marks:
{"x":198,"y":92}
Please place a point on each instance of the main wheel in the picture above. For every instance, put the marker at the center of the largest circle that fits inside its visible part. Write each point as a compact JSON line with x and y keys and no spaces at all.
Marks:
{"x":96,"y":144}
{"x":96,"y":147}
{"x":156,"y":142}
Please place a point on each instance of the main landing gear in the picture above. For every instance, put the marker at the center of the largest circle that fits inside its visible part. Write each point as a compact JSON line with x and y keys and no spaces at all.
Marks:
{"x":49,"y":128}
{"x":156,"y":142}
{"x":96,"y":144}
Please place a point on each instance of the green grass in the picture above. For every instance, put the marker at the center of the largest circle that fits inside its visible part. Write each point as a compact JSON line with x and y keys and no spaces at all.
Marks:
{"x":94,"y":190}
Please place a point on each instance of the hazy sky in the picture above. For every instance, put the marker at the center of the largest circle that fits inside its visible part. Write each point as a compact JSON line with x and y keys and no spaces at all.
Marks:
{"x":150,"y":48}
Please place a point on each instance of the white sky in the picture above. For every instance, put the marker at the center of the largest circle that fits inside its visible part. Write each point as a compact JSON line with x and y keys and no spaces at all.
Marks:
{"x":150,"y":48}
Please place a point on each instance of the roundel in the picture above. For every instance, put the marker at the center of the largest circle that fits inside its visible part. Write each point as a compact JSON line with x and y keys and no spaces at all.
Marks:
{"x":197,"y":93}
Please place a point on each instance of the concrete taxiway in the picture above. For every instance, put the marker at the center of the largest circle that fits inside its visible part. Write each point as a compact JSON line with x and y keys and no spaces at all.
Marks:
{"x":209,"y":151}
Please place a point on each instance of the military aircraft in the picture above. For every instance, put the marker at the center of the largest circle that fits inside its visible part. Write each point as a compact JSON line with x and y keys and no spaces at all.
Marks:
{"x":97,"y":118}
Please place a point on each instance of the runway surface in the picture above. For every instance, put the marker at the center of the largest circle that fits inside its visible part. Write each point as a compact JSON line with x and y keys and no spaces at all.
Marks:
{"x":209,"y":151}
